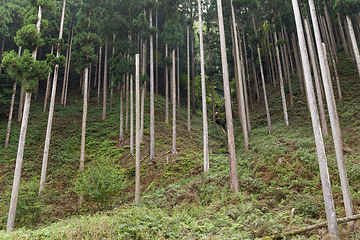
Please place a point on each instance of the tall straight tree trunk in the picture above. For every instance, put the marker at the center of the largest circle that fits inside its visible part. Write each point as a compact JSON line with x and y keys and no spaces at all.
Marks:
{"x":11,"y":110}
{"x":241,"y":85}
{"x":349,"y":42}
{"x":51,"y":110}
{"x":127,"y":87}
{"x":353,"y":43}
{"x":287,"y":71}
{"x":47,"y":92}
{"x":234,"y":181}
{"x":157,"y":54}
{"x":298,"y":64}
{"x":112,"y":82}
{"x":271,"y":58}
{"x":333,"y":117}
{"x":324,"y":174}
{"x":203,"y":93}
{"x":2,"y":50}
{"x":254,"y":74}
{"x":283,"y":98}
{"x":178,"y":82}
{"x":21,"y":103}
{"x":99,"y":77}
{"x":137,"y":129}
{"x":173,"y":92}
{"x":121,"y":134}
{"x":289,"y":50}
{"x":131,"y":115}
{"x":211,"y":80}
{"x":331,"y":33}
{"x":273,"y":50}
{"x":105,"y":81}
{"x":342,"y":35}
{"x":143,"y":93}
{"x":21,"y":147}
{"x":316,"y":76}
{"x":152,"y":110}
{"x":247,"y":70}
{"x":263,"y":82}
{"x":193,"y":72}
{"x":166,"y":87}
{"x":188,"y":74}
{"x":68,"y":68}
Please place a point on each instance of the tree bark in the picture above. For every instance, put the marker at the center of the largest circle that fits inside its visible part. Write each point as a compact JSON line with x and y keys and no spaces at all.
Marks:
{"x":173,"y":91}
{"x":143,"y":93}
{"x":11,"y":110}
{"x":178,"y":83}
{"x":152,"y":107}
{"x":21,"y":147}
{"x":127,"y":102}
{"x":342,"y":35}
{"x":99,"y":77}
{"x":263,"y":82}
{"x":283,"y":98}
{"x":48,"y":82}
{"x":131,"y":115}
{"x":331,"y":33}
{"x":353,"y":42}
{"x":166,"y":87}
{"x":137,"y":107}
{"x":21,"y":103}
{"x":241,"y":84}
{"x":287,"y":70}
{"x":68,"y":68}
{"x":105,"y":81}
{"x":316,"y":76}
{"x":211,"y":82}
{"x":333,"y":118}
{"x":203,"y":93}
{"x":297,"y":61}
{"x":51,"y":110}
{"x":193,"y":73}
{"x":188,"y":75}
{"x":121,"y":135}
{"x":112,"y":82}
{"x":234,"y":181}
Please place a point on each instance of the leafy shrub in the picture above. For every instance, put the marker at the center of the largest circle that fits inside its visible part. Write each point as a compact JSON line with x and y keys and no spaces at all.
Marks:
{"x":309,"y":207}
{"x":101,"y":181}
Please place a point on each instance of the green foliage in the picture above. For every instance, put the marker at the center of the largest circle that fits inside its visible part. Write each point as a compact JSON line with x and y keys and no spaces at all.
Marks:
{"x":281,"y":42}
{"x":28,"y":37}
{"x":309,"y":207}
{"x":101,"y":181}
{"x":346,"y":7}
{"x":25,"y":69}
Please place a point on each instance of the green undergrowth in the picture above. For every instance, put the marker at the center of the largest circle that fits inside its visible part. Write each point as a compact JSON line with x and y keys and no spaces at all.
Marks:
{"x":279,"y":182}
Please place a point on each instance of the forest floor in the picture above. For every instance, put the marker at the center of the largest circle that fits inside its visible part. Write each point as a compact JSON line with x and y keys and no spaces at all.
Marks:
{"x":277,"y":174}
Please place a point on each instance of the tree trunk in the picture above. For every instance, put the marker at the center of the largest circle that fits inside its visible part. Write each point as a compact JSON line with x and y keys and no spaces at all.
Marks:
{"x":166,"y":87}
{"x":316,"y":76}
{"x":68,"y":68}
{"x":137,"y":107}
{"x":211,"y":80}
{"x":203,"y":93}
{"x":11,"y":110}
{"x":331,"y":33}
{"x":263,"y":82}
{"x":21,"y":147}
{"x":287,"y":70}
{"x":333,"y":117}
{"x":254,"y":74}
{"x":297,"y":61}
{"x":234,"y":181}
{"x":48,"y":82}
{"x":342,"y":35}
{"x":105,"y":81}
{"x":131,"y":115}
{"x":65,"y":71}
{"x":112,"y":82}
{"x":178,"y":83}
{"x":188,"y":74}
{"x":271,"y":58}
{"x":193,"y":73}
{"x":283,"y":98}
{"x":2,"y":51}
{"x":173,"y":91}
{"x":157,"y":54}
{"x":21,"y":103}
{"x":247,"y":70}
{"x":121,"y":135}
{"x":289,"y":51}
{"x":152,"y":107}
{"x":99,"y":77}
{"x":325,"y":179}
{"x":241,"y":85}
{"x":143,"y":93}
{"x":52,"y":106}
{"x":353,"y":42}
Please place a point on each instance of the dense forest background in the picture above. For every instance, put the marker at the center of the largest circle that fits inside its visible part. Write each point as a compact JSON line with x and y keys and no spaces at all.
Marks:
{"x":177,"y":119}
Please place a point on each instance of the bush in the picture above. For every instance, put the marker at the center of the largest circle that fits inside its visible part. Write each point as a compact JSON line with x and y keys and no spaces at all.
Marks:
{"x":101,"y":180}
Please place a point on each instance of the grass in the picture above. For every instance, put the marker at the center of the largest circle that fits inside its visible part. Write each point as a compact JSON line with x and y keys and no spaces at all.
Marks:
{"x":279,"y":173}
